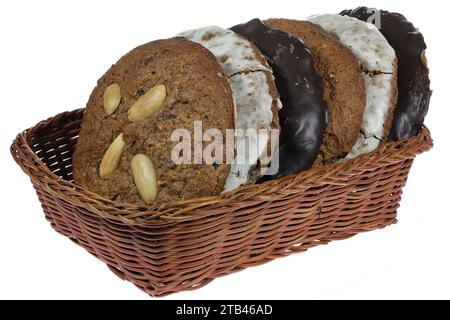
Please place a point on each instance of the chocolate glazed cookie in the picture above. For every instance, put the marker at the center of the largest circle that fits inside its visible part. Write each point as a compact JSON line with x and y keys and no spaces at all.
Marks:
{"x":413,"y":83}
{"x":303,"y":117}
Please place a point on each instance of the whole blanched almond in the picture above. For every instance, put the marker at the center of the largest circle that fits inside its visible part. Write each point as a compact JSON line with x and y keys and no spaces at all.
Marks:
{"x":112,"y":157}
{"x":111,"y":98}
{"x":144,"y":176}
{"x":148,"y":103}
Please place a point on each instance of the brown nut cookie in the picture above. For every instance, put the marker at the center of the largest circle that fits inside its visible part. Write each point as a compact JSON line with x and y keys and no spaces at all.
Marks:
{"x":344,"y":90}
{"x":124,"y":147}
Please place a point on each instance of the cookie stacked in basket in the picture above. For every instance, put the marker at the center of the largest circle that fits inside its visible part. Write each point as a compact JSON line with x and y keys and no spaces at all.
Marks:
{"x":213,"y":109}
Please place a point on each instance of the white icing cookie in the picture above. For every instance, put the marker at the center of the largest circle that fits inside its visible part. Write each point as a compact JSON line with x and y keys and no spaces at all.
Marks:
{"x":234,"y":53}
{"x":379,"y":67}
{"x":249,"y":74}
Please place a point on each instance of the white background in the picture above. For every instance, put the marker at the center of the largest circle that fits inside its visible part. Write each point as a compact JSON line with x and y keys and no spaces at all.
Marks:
{"x":51,"y":55}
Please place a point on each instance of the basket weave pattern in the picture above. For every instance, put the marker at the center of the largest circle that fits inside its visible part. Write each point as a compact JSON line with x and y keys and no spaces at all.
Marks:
{"x":186,"y":244}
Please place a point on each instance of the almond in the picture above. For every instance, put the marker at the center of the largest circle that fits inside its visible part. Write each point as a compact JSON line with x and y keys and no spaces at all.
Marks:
{"x":111,"y":98}
{"x":112,"y":157}
{"x":148,"y":103}
{"x":144,"y":176}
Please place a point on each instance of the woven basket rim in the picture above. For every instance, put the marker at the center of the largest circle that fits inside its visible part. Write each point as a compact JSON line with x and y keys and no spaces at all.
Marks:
{"x":386,"y":153}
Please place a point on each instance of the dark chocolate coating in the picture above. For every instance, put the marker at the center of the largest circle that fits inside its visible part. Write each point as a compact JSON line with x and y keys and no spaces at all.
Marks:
{"x":412,"y":75}
{"x":303,"y":116}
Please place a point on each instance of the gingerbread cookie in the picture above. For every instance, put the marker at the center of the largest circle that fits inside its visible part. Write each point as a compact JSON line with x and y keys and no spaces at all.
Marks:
{"x":255,"y":96}
{"x":344,"y":90}
{"x":379,"y":68}
{"x":304,"y":113}
{"x":125,"y":143}
{"x":412,"y":76}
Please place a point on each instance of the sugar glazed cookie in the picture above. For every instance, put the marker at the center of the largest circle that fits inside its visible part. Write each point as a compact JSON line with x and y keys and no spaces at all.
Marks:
{"x":124,"y":147}
{"x":255,"y":95}
{"x":344,"y":89}
{"x":379,"y":68}
{"x":304,"y":113}
{"x":413,"y":83}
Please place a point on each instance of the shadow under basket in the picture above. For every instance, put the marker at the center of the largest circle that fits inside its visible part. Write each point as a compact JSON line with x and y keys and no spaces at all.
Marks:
{"x":185,"y":245}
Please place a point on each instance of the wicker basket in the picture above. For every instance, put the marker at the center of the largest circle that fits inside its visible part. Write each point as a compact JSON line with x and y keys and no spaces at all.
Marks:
{"x":184,"y":245}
